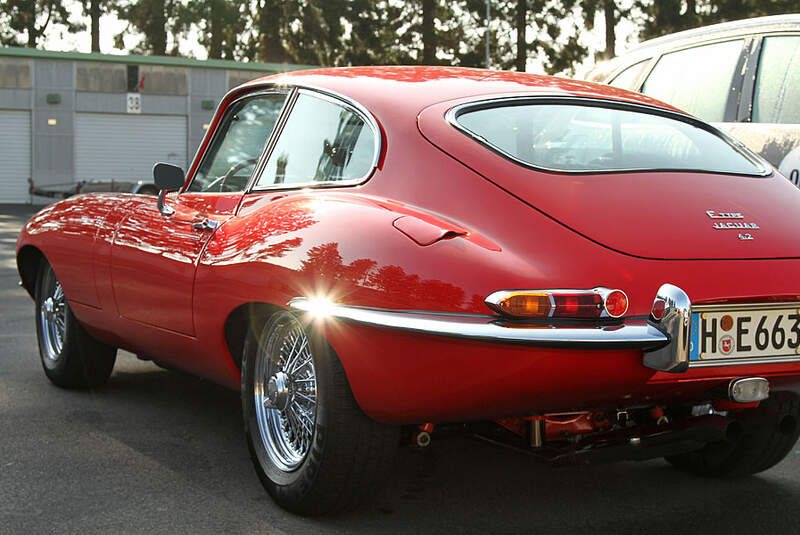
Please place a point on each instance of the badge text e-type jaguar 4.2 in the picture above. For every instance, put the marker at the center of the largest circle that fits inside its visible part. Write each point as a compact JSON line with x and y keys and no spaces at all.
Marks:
{"x":372,"y":254}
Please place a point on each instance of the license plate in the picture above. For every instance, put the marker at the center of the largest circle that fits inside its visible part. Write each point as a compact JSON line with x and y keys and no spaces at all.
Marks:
{"x":739,"y":333}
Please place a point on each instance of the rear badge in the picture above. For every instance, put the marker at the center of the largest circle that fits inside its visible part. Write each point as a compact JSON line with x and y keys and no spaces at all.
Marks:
{"x":736,"y":224}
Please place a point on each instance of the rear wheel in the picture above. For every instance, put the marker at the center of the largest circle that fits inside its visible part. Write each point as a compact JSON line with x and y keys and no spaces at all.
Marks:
{"x":313,"y":448}
{"x":769,"y":434}
{"x":71,"y":358}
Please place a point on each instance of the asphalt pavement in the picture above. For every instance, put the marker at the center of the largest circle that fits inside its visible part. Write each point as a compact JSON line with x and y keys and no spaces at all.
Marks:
{"x":155,"y":451}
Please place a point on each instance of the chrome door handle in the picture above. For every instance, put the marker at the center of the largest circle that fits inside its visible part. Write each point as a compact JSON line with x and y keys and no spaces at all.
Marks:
{"x":205,"y":224}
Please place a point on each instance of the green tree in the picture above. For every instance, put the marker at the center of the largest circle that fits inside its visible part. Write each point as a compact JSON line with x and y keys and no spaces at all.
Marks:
{"x":221,"y":23}
{"x":316,"y":35}
{"x":663,"y":17}
{"x":525,"y":28}
{"x":23,"y":22}
{"x":270,"y":18}
{"x":155,"y":20}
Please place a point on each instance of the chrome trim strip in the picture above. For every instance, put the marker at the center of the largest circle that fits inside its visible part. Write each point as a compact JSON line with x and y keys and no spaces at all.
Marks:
{"x":453,"y":113}
{"x":489,"y":328}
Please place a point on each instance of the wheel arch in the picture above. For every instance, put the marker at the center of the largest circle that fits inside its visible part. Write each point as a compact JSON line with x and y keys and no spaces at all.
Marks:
{"x":29,"y":258}
{"x":239,"y":320}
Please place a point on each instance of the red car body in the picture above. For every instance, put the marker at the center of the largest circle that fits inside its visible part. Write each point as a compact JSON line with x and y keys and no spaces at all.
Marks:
{"x":442,"y":223}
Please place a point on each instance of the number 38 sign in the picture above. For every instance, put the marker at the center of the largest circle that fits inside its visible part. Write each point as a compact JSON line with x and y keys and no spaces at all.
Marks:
{"x":134,"y":103}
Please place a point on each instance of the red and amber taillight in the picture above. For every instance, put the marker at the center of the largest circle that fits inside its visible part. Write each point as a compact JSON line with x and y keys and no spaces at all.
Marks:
{"x":577,"y":304}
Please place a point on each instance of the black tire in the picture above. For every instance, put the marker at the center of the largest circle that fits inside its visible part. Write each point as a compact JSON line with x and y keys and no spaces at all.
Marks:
{"x":348,"y":454}
{"x":768,"y":435}
{"x":78,"y":361}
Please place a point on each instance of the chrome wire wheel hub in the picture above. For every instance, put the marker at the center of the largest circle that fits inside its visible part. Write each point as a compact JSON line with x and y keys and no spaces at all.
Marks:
{"x":285,"y":394}
{"x":53,"y":319}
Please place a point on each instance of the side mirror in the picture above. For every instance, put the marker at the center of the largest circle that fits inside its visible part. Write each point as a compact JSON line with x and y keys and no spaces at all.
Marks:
{"x":167,"y":177}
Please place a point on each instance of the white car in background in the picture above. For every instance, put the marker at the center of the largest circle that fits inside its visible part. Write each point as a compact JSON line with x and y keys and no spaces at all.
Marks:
{"x":743,"y":76}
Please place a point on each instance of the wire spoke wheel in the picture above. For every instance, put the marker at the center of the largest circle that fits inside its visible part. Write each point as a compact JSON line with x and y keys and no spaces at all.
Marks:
{"x":285,"y":394}
{"x":53,"y":319}
{"x":70,"y":356}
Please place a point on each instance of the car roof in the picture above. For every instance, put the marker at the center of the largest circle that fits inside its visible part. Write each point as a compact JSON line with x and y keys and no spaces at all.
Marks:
{"x":773,"y":23}
{"x":646,"y":50}
{"x":412,"y":88}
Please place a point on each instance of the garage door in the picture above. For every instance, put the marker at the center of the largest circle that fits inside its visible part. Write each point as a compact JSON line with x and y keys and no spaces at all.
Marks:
{"x":15,"y":156}
{"x":125,"y":147}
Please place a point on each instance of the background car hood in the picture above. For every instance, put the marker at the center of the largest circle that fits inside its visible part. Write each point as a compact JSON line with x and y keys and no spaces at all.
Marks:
{"x":659,"y":215}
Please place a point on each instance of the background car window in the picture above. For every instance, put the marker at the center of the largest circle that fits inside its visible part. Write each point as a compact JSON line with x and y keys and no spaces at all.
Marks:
{"x":238,"y":144}
{"x":777,"y":94}
{"x":696,"y":80}
{"x":568,"y":137}
{"x":321,"y":142}
{"x":627,"y":78}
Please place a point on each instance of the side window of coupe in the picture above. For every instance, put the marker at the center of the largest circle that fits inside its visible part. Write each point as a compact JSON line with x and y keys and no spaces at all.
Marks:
{"x":777,"y":91}
{"x":321,"y":142}
{"x":696,"y":80}
{"x":238,"y":144}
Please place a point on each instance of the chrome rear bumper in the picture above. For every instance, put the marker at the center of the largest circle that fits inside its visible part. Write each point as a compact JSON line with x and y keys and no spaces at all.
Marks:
{"x":665,"y":341}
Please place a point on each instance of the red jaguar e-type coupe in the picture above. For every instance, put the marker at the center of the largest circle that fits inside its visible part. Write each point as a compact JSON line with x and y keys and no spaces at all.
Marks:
{"x":370,"y":251}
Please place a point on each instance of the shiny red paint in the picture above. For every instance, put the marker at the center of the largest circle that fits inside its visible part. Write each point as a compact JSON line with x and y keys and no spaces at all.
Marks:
{"x":441,"y":224}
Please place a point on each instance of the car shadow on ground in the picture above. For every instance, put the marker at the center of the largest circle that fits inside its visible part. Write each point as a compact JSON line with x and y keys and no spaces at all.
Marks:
{"x":457,"y":484}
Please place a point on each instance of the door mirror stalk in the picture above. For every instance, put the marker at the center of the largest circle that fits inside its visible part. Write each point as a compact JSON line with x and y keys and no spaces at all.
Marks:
{"x":167,"y":177}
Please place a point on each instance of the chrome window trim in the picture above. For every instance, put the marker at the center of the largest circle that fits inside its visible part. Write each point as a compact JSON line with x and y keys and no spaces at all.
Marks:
{"x":339,"y":100}
{"x":271,"y":90}
{"x":453,"y":114}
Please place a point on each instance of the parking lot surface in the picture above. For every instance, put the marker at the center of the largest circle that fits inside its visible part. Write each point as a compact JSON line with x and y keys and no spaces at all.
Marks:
{"x":155,"y":451}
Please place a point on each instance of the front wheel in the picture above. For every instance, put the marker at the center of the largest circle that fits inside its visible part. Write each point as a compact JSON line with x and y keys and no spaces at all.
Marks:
{"x":313,"y":448}
{"x":71,"y":358}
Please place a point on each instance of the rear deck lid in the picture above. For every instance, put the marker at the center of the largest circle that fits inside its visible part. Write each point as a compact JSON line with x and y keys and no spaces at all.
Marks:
{"x":643,"y":181}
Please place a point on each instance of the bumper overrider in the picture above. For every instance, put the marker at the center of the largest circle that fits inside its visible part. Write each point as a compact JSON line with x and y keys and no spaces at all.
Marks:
{"x":664,"y":340}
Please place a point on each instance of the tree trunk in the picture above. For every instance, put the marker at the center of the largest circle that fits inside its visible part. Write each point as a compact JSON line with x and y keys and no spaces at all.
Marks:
{"x":270,"y":22}
{"x":94,"y":13}
{"x":154,"y":25}
{"x":691,"y":14}
{"x":428,"y":33}
{"x":216,"y":27}
{"x":522,"y":41}
{"x":30,"y":21}
{"x":609,"y":10}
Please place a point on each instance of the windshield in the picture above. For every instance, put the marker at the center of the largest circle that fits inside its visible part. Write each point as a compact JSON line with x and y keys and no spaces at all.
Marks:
{"x":593,"y":138}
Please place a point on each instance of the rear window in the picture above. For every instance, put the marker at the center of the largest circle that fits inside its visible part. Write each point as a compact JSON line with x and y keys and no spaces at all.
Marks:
{"x":592,"y":138}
